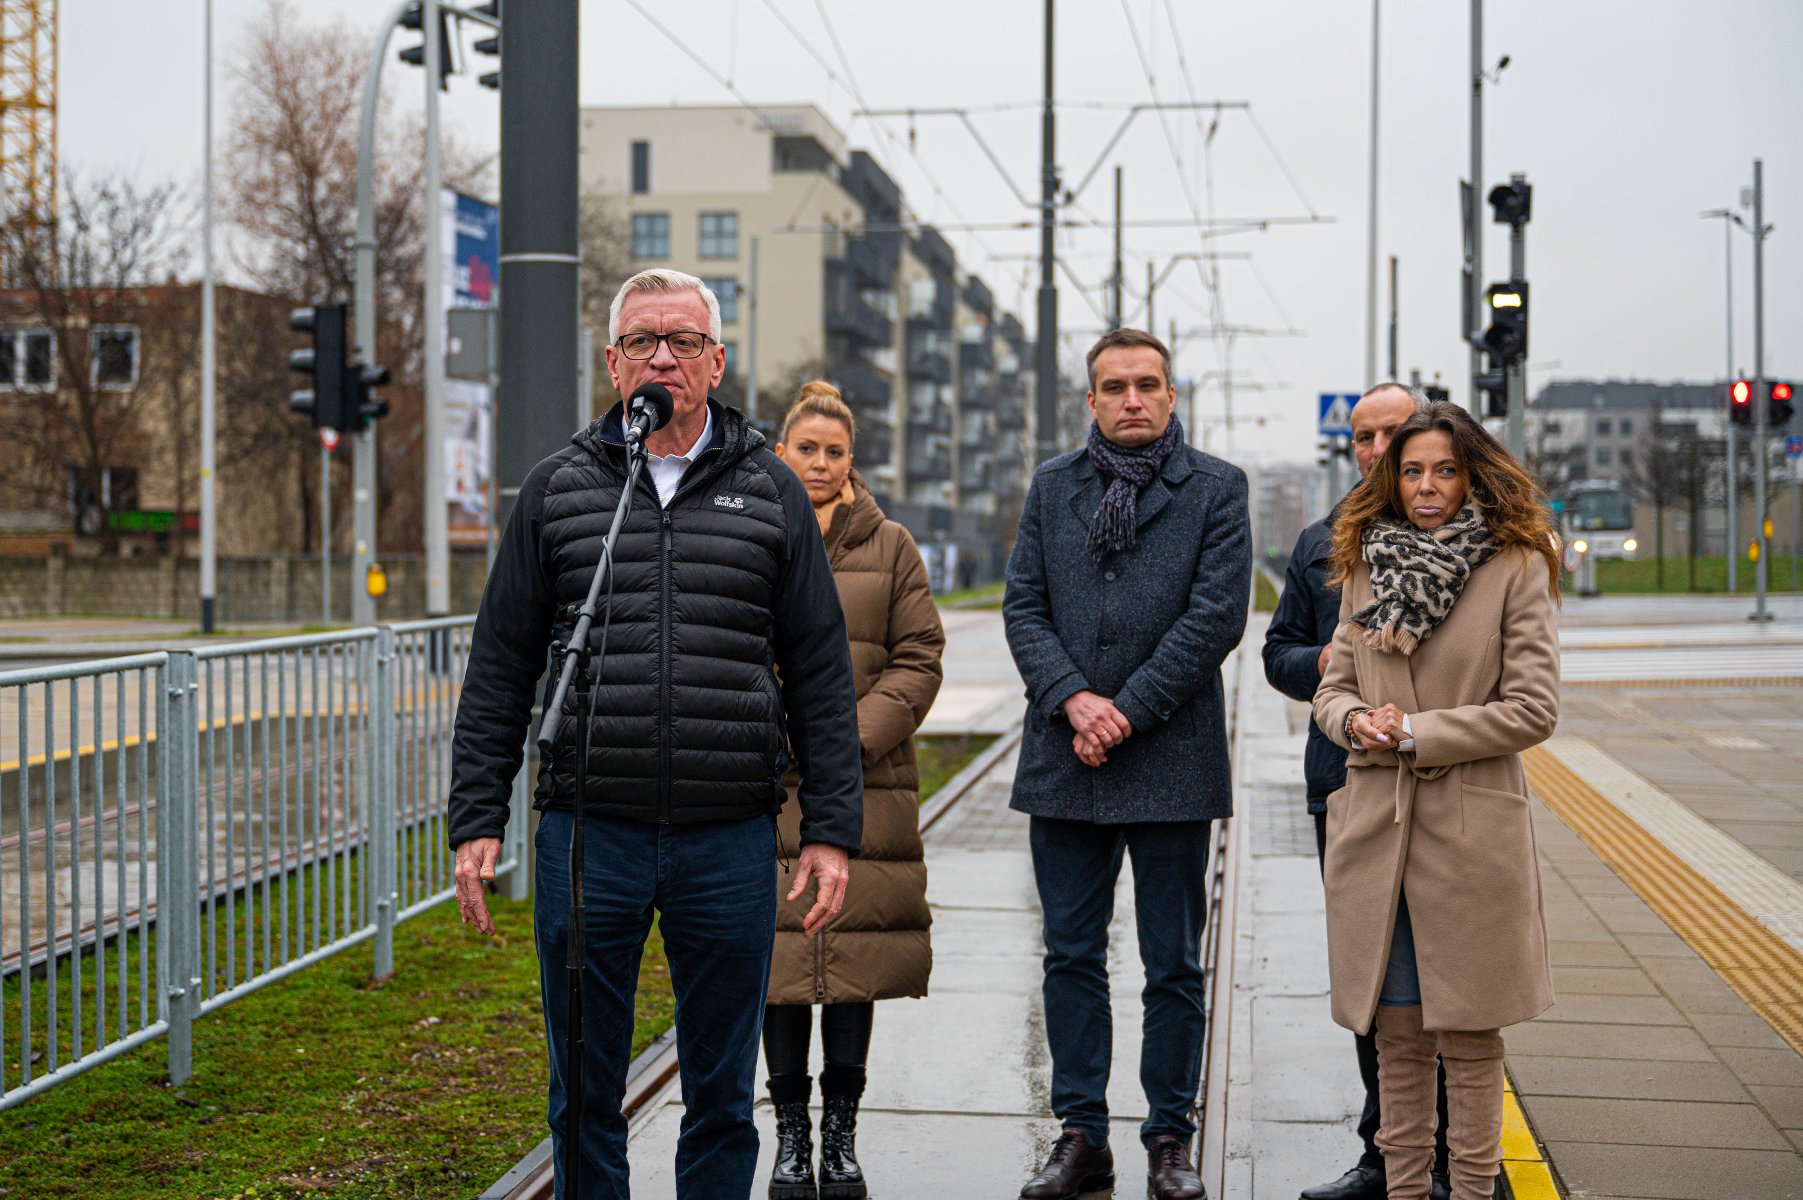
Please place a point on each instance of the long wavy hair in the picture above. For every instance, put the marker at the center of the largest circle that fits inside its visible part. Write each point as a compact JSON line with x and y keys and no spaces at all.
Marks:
{"x":1513,"y":503}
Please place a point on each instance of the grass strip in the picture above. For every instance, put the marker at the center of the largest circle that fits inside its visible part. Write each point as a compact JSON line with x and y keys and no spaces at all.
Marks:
{"x":1681,"y":575}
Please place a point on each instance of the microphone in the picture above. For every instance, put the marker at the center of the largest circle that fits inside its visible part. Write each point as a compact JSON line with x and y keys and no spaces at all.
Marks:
{"x":651,"y":407}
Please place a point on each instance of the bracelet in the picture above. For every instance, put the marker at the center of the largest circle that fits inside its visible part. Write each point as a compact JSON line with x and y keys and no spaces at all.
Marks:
{"x":1347,"y":728}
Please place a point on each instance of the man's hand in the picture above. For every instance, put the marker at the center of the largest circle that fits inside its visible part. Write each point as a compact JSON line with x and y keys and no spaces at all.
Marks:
{"x":476,"y":861}
{"x":829,"y":867}
{"x":1322,"y":659}
{"x":1089,"y":751}
{"x":1096,"y":717}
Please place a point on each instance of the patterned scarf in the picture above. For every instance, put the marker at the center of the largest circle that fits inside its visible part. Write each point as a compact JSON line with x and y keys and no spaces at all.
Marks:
{"x":1417,"y":574}
{"x":1127,"y":471}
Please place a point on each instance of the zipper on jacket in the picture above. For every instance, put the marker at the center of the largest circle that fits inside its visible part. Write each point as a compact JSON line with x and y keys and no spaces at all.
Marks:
{"x":666,"y":731}
{"x":820,"y":967}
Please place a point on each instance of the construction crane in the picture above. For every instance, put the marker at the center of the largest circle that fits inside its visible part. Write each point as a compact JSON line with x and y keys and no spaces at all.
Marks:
{"x":27,"y":114}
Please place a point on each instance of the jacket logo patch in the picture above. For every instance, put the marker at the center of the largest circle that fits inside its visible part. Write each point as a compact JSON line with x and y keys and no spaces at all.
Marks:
{"x":734,"y":502}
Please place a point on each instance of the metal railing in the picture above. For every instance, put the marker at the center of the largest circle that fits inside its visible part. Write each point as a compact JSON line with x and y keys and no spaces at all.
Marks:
{"x":179,"y":829}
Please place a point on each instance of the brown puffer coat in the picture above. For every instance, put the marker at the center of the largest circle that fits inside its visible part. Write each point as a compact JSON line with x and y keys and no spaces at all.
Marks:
{"x":878,"y":946}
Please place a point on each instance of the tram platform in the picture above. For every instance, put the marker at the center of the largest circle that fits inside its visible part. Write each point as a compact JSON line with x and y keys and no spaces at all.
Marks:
{"x":1668,"y":1069}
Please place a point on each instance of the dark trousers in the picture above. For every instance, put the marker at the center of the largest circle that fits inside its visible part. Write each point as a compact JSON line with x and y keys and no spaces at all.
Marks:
{"x":713,"y":888}
{"x":844,"y":1045}
{"x":1075,"y":864}
{"x":1365,"y":1045}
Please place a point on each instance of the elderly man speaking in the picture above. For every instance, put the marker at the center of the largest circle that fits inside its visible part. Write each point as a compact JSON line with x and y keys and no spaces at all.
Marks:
{"x":1127,"y":589}
{"x":720,"y":581}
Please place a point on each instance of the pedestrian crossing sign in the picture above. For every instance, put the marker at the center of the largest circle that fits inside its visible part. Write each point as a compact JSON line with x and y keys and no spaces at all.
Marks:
{"x":1336,"y":413}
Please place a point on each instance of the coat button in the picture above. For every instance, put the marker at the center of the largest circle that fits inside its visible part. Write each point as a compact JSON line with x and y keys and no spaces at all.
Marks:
{"x":1109,"y":577}
{"x":1107,"y":645}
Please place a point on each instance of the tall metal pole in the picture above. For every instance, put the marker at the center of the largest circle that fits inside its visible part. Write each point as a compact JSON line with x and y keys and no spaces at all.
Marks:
{"x":1395,"y":371}
{"x":1046,"y":350}
{"x":539,"y":244}
{"x":438,"y":547}
{"x":209,"y":508}
{"x":1151,"y":287}
{"x":1370,"y":375}
{"x":325,"y":535}
{"x":1733,"y":537}
{"x":363,"y":301}
{"x":1515,"y":382}
{"x":1476,"y":227}
{"x":1115,"y":280}
{"x":751,"y":336}
{"x":1761,"y":403}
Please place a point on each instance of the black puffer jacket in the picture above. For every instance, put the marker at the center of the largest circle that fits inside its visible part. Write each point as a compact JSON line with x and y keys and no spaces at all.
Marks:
{"x":1304,"y":622}
{"x":710,"y":595}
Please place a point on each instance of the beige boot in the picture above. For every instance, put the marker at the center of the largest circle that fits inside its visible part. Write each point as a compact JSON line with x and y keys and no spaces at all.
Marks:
{"x":1474,"y":1110}
{"x":1405,"y":1098}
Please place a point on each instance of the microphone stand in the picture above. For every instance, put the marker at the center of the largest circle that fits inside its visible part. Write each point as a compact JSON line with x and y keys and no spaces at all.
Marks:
{"x":578,"y":676}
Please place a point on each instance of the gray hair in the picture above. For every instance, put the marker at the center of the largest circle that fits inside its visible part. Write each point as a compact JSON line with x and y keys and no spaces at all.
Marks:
{"x":1422,"y":403}
{"x":663,"y":279}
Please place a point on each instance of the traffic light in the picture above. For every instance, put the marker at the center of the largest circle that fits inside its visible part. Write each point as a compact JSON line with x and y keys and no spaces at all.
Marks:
{"x":415,"y":56}
{"x":365,"y":407}
{"x":1512,"y":203}
{"x":1493,"y":386}
{"x":322,"y":364}
{"x":490,"y":45}
{"x":1507,"y":337}
{"x":1740,"y":402}
{"x":1779,"y":413}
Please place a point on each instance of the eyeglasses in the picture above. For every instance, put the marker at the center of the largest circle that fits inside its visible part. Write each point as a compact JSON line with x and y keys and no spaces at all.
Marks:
{"x":684,"y":343}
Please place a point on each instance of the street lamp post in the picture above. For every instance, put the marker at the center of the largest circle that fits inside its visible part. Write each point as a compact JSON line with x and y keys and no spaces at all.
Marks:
{"x":209,"y":509}
{"x":1729,"y":219}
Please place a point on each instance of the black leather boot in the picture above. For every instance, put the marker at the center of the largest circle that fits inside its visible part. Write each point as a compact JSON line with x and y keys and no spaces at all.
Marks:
{"x":840,"y":1176}
{"x":792,"y":1178}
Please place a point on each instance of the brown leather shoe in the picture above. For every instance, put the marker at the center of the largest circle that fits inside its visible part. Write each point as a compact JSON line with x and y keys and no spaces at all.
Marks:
{"x":1073,"y":1167}
{"x":1169,"y":1175}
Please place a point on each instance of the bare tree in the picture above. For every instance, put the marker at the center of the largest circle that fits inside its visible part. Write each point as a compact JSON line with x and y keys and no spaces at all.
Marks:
{"x":99,"y":342}
{"x":1660,"y":470}
{"x":290,"y":161}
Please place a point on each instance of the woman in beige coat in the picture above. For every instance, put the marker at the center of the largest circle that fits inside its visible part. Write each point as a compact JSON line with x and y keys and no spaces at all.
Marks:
{"x":1444,"y":668}
{"x":877,"y":947}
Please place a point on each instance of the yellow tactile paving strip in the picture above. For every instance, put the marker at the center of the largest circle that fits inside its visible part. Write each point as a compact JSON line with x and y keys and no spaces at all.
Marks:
{"x":1530,"y":1178}
{"x":1761,"y":967}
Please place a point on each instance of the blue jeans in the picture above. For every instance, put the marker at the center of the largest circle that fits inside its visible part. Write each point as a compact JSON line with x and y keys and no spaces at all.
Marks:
{"x":1075,"y":864}
{"x":1402,"y":980}
{"x":713,"y":887}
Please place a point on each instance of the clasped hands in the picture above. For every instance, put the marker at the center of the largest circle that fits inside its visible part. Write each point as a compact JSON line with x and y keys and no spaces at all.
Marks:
{"x":1099,"y":726}
{"x":1379,"y":728}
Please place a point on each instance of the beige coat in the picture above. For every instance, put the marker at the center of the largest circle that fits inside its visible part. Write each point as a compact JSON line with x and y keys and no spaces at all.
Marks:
{"x":1447,"y":823}
{"x":878,"y":946}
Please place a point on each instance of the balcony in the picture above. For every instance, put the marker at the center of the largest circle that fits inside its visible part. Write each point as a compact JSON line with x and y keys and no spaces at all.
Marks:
{"x":978,"y":296}
{"x":866,"y":389}
{"x":975,"y":473}
{"x":930,"y":304}
{"x":871,"y":187}
{"x":1010,"y":412}
{"x":927,"y":365}
{"x":875,"y":445}
{"x":873,"y":261}
{"x":851,"y":316}
{"x":976,"y":354}
{"x":932,"y":249}
{"x":936,"y":418}
{"x":927,"y":457}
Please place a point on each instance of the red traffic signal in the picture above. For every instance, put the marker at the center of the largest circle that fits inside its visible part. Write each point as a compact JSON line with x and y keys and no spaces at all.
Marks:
{"x":1781,"y":391}
{"x":1779,"y":412}
{"x":1742,"y":391}
{"x":1740,"y":406}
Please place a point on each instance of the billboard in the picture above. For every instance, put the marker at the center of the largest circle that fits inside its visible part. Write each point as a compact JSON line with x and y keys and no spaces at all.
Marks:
{"x":470,"y":236}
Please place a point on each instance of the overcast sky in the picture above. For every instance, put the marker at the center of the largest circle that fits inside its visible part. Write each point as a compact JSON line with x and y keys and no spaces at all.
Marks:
{"x":1629,"y":118}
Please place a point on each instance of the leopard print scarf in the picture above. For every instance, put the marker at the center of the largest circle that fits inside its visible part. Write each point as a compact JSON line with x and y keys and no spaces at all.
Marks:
{"x":1417,"y":575}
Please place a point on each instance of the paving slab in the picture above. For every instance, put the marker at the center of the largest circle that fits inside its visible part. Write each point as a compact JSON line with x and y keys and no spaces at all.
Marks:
{"x":1593,"y":1169}
{"x":1655,"y":1123}
{"x":1537,"y":1075}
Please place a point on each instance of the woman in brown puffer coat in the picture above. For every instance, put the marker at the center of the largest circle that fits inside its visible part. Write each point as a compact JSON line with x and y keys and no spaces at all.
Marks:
{"x":877,"y":947}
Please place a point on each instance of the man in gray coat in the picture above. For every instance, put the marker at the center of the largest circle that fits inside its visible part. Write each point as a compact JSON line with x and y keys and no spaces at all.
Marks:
{"x":1127,"y":590}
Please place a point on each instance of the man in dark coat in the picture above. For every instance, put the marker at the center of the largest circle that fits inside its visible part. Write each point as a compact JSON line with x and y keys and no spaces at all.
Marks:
{"x":1127,"y":589}
{"x":720,"y":580}
{"x":1297,"y":644}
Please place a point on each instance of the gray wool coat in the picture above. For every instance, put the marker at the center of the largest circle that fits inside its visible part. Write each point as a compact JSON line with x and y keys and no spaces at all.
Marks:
{"x":1148,"y":627}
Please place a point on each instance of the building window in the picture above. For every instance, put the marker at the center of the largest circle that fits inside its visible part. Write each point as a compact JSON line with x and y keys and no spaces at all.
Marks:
{"x":1625,"y":427}
{"x":641,"y":168}
{"x":719,"y":235}
{"x":1602,"y":427}
{"x":113,"y":356}
{"x":1604,"y":457}
{"x":728,"y":292}
{"x":651,"y":235}
{"x":732,"y":355}
{"x":27,"y":360}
